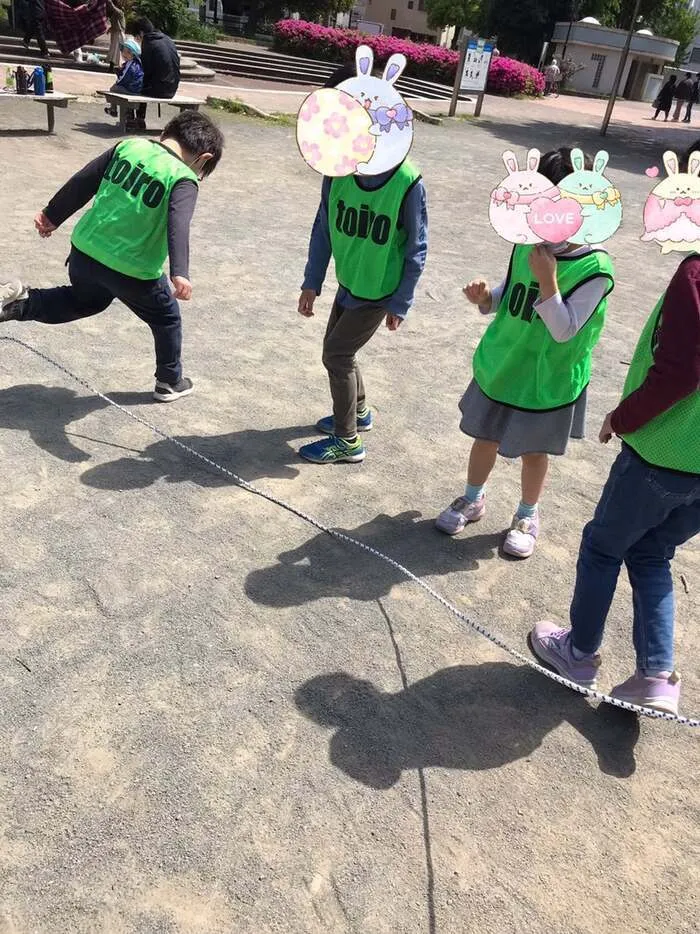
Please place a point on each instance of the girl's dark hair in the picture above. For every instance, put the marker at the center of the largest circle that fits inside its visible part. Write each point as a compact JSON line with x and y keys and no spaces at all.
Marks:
{"x":684,"y":159}
{"x":556,"y":164}
{"x":341,"y":74}
{"x":197,"y":134}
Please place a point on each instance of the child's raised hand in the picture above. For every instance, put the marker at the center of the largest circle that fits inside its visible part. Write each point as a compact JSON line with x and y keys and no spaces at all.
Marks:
{"x":182,"y":288}
{"x":478,"y":292}
{"x":44,"y":226}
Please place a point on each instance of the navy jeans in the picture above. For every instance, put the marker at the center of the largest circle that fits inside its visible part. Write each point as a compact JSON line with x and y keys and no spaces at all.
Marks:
{"x":643,"y":515}
{"x":93,"y":289}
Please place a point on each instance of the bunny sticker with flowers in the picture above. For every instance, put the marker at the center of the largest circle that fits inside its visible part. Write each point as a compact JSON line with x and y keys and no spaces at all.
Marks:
{"x":526,"y":208}
{"x":672,"y":209}
{"x":362,"y":127}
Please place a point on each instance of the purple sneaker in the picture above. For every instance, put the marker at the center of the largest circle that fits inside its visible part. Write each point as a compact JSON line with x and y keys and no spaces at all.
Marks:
{"x":661,"y":692}
{"x":459,"y":514}
{"x":521,"y":540}
{"x":552,"y":645}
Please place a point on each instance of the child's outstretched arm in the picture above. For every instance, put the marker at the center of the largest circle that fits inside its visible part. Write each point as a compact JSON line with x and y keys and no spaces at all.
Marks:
{"x":74,"y":195}
{"x":414,"y":217}
{"x":319,"y":255}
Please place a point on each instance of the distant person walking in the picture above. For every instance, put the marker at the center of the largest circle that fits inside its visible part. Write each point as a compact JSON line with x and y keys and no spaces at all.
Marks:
{"x":682,"y":94}
{"x":552,"y":77}
{"x":694,"y":98}
{"x":664,"y":101}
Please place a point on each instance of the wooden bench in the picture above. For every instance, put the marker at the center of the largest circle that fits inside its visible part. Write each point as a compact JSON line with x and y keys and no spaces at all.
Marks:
{"x":127,"y":102}
{"x":50,"y":101}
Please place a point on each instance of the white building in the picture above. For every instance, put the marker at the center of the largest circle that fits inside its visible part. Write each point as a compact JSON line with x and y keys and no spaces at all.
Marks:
{"x":599,"y":49}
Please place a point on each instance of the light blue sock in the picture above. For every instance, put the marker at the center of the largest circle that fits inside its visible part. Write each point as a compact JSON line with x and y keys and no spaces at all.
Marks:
{"x":473,"y":493}
{"x":525,"y":511}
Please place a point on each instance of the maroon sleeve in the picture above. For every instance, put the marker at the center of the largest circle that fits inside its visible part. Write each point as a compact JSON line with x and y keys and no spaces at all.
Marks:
{"x":675,"y":373}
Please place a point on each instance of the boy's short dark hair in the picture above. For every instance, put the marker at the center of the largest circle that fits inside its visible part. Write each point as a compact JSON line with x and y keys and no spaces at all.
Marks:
{"x":685,"y":158}
{"x":196,"y":133}
{"x":140,"y":26}
{"x":556,"y":164}
{"x":341,"y":74}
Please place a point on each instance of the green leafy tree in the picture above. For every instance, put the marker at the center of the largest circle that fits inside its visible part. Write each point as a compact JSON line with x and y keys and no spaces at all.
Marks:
{"x":441,"y":13}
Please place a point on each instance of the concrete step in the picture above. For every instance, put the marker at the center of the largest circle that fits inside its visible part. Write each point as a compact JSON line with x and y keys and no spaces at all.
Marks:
{"x":203,"y":62}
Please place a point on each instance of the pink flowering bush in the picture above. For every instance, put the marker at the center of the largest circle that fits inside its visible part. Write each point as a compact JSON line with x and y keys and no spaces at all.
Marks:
{"x":429,"y":62}
{"x":508,"y":76}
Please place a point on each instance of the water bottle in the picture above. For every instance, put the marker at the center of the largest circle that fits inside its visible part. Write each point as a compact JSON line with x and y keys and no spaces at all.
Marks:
{"x":22,"y":80}
{"x":38,"y":81}
{"x":48,"y":75}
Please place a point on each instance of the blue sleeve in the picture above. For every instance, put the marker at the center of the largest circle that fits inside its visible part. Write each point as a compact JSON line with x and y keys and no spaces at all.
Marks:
{"x":415,"y":221}
{"x":319,"y":245}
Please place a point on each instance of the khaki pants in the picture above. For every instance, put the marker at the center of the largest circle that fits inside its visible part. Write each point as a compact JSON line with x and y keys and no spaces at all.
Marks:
{"x":348,"y":330}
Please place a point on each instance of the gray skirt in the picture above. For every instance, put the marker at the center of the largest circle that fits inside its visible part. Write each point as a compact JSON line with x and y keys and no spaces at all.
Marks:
{"x":516,"y":431}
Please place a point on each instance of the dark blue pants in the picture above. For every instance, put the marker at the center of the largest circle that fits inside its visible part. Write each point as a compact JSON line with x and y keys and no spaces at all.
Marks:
{"x":643,"y":515}
{"x":93,"y":289}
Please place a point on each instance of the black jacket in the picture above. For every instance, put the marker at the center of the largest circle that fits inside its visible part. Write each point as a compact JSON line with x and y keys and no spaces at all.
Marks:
{"x":161,"y":65}
{"x":684,"y":90}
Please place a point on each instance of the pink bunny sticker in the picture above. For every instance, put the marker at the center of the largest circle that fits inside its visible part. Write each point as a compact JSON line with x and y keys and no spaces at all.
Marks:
{"x":672,"y":209}
{"x":523,"y":208}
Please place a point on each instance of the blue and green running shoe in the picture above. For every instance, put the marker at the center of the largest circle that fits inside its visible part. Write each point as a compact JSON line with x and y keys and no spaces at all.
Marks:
{"x":333,"y":451}
{"x":364,"y":423}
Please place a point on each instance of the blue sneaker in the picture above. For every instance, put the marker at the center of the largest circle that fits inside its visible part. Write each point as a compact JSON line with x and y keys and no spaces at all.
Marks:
{"x":333,"y":451}
{"x":364,"y":423}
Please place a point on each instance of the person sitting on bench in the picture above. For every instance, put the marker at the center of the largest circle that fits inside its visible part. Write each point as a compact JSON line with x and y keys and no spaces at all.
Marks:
{"x":161,"y":65}
{"x":130,"y":74}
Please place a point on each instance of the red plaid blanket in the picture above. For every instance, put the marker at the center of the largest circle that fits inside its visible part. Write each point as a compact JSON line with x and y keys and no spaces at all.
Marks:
{"x":72,"y":28}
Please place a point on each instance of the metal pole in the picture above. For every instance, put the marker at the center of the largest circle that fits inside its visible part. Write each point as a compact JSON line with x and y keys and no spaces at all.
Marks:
{"x":566,"y":41}
{"x":458,"y":77}
{"x":620,"y":71}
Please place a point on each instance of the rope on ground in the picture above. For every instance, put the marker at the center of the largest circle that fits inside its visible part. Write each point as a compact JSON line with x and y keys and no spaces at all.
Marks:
{"x":355,"y":543}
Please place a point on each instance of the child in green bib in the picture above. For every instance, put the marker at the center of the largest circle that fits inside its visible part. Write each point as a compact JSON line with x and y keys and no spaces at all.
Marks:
{"x":145,"y":192}
{"x":650,"y":505}
{"x":531,"y":369}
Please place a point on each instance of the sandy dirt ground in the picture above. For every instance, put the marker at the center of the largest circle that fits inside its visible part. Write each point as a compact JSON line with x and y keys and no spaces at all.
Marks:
{"x":216,"y":719}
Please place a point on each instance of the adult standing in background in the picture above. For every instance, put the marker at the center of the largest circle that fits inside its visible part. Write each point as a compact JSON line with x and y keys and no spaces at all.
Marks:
{"x":682,"y":94}
{"x":34,"y":23}
{"x":694,"y":98}
{"x":160,"y":61}
{"x":664,"y":101}
{"x":117,"y":32}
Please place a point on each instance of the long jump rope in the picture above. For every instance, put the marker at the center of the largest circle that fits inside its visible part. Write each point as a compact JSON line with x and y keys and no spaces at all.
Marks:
{"x":349,"y":540}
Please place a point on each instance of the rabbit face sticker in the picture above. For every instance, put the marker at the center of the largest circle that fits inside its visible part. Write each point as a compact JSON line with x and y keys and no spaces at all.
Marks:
{"x":362,"y":127}
{"x":600,"y":202}
{"x":512,"y":203}
{"x":672,"y":210}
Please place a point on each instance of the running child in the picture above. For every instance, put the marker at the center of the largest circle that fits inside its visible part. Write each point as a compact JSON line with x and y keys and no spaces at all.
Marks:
{"x":650,"y":505}
{"x":531,"y":369}
{"x":145,"y":193}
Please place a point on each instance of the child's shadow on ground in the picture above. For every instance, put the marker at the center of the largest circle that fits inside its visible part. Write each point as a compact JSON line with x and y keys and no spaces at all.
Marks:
{"x":468,"y":717}
{"x":325,"y":567}
{"x":250,"y":454}
{"x":45,"y":412}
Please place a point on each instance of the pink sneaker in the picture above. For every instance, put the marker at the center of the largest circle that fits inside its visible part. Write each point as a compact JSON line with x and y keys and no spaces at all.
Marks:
{"x":552,"y":645}
{"x":459,"y":514}
{"x":521,"y":540}
{"x":661,"y":693}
